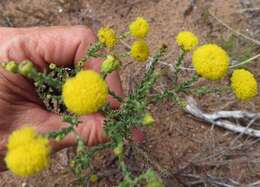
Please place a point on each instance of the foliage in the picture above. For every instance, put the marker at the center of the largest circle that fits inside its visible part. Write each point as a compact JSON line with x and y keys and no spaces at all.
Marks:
{"x":133,"y":110}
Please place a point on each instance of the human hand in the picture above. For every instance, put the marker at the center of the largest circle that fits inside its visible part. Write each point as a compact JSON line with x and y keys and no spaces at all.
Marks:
{"x":19,"y":104}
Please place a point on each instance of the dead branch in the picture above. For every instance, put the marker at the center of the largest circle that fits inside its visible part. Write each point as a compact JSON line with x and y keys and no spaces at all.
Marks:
{"x":217,"y":181}
{"x":220,"y":118}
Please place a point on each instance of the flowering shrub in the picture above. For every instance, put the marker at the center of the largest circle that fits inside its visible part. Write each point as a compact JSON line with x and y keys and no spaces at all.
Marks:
{"x":84,"y":91}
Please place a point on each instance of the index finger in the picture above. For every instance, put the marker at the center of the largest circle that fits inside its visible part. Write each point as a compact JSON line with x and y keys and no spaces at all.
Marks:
{"x":60,"y":45}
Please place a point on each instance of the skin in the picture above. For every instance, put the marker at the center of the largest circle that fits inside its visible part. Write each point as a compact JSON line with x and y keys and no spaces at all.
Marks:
{"x":19,"y":104}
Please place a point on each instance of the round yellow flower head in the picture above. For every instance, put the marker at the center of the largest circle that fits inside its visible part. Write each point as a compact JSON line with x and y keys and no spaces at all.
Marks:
{"x":187,"y":40}
{"x":139,"y":28}
{"x":140,"y":51}
{"x":210,"y":61}
{"x":107,"y":36}
{"x":28,"y":153}
{"x":243,"y":84}
{"x":85,"y":93}
{"x":20,"y":137}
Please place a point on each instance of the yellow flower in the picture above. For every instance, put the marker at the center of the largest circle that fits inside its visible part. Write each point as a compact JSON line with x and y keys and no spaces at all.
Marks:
{"x":139,"y":51}
{"x":210,"y":61}
{"x":107,"y":36}
{"x":20,"y":137}
{"x":139,"y":28}
{"x":28,"y":153}
{"x":85,"y":93}
{"x":187,"y":40}
{"x":243,"y":84}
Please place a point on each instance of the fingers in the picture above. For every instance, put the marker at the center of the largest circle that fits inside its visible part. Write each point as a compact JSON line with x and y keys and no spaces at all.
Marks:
{"x":60,"y":45}
{"x":90,"y":129}
{"x":45,"y":45}
{"x":115,"y":85}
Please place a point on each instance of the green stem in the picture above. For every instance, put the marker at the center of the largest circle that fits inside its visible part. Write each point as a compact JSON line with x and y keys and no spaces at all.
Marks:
{"x":126,"y":173}
{"x":178,"y":66}
{"x":59,"y":135}
{"x":83,"y":159}
{"x":187,"y":84}
{"x":41,"y":77}
{"x":246,"y":61}
{"x":113,"y":94}
{"x":92,"y":52}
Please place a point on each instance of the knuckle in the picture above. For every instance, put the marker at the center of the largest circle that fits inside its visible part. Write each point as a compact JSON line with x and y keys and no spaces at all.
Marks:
{"x":85,"y":33}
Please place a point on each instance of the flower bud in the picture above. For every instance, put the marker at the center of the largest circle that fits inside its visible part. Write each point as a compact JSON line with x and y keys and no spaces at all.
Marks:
{"x":52,"y":66}
{"x":80,"y":147}
{"x":110,"y":64}
{"x":72,"y":163}
{"x":183,"y":104}
{"x":148,"y":119}
{"x":48,"y":96}
{"x":25,"y":67}
{"x":93,"y":178}
{"x":119,"y":149}
{"x":58,"y":138}
{"x":11,"y":66}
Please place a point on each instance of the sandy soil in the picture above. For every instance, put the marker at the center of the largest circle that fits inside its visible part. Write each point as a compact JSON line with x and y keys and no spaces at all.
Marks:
{"x":177,"y":137}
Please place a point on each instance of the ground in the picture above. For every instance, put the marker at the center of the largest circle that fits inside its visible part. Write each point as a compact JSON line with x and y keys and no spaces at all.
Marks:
{"x":185,"y":151}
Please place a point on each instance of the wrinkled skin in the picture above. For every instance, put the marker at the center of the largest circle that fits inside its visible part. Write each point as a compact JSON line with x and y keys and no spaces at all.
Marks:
{"x":19,"y":104}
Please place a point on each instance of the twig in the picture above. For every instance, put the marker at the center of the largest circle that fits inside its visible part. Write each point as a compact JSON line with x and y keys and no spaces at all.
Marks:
{"x":253,"y":184}
{"x":125,"y":44}
{"x":249,"y":9}
{"x":222,"y":150}
{"x":234,"y":31}
{"x":190,"y":8}
{"x":218,"y":181}
{"x":232,"y":114}
{"x":147,"y":157}
{"x":171,"y":66}
{"x":217,"y":118}
{"x":245,"y":61}
{"x":241,"y":134}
